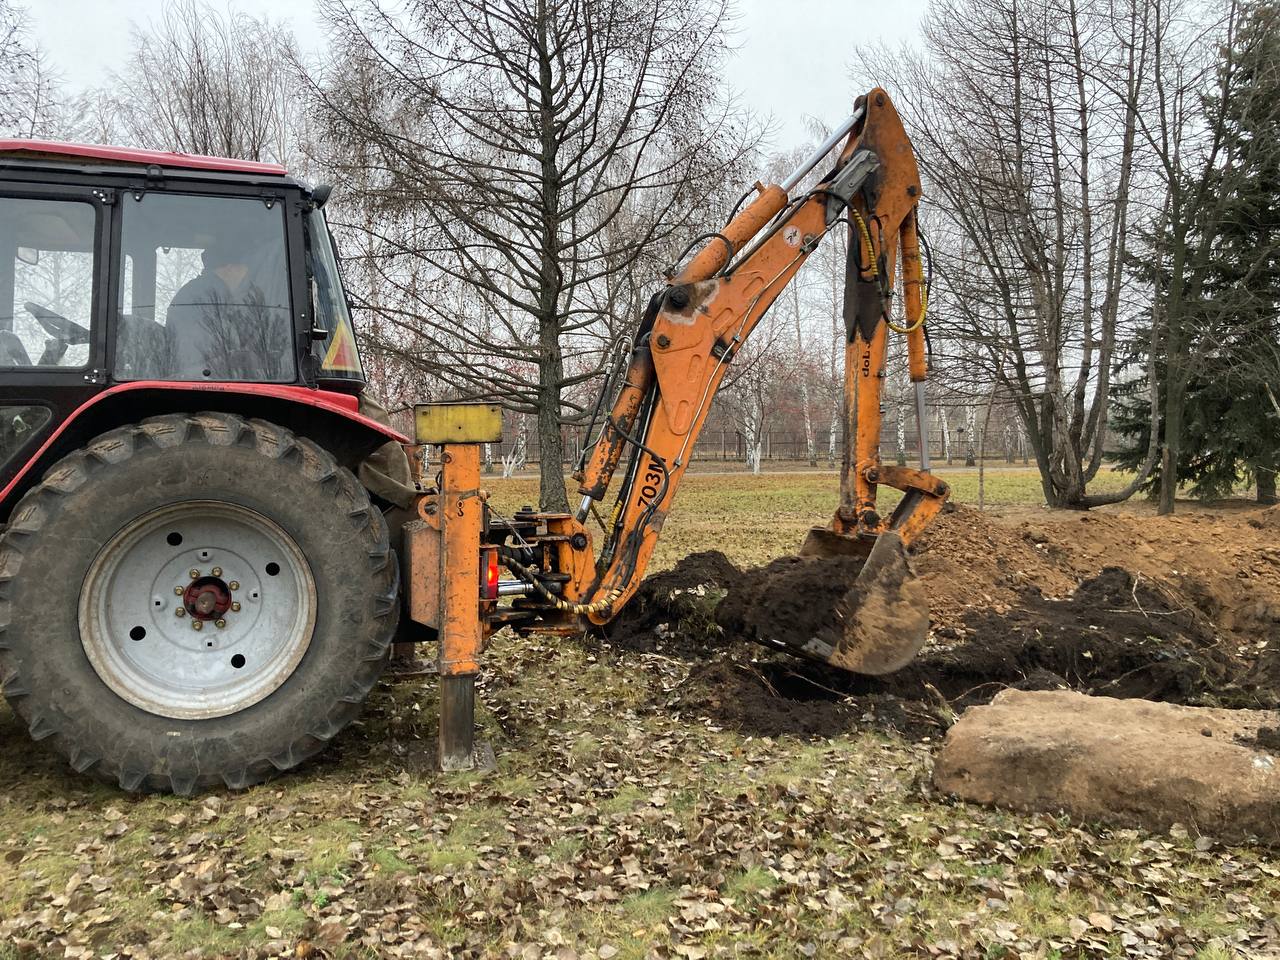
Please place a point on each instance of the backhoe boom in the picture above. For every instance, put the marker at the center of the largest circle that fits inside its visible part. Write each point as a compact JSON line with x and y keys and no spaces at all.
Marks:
{"x":693,"y":330}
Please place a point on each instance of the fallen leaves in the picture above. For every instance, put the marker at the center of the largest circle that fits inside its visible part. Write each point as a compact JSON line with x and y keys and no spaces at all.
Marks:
{"x":612,"y":829}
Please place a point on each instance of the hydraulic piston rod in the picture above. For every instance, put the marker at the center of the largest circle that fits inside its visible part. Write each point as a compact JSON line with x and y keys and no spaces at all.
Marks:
{"x":838,"y":134}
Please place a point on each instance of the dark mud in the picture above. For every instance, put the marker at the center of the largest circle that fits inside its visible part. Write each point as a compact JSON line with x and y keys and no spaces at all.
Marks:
{"x":673,"y":612}
{"x":802,"y":592}
{"x":1116,"y":636}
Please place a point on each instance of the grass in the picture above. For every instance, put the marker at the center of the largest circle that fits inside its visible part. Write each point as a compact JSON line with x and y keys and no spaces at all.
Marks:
{"x":611,"y":821}
{"x":754,"y":518}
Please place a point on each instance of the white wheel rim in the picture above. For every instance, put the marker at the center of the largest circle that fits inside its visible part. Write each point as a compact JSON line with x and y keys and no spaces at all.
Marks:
{"x":232,"y":571}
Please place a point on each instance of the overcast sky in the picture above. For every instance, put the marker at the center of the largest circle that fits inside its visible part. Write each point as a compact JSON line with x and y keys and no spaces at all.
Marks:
{"x":793,"y":55}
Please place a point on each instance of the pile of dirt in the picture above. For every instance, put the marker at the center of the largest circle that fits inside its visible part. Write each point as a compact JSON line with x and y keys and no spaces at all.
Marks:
{"x":968,"y":559}
{"x":673,"y":612}
{"x":1117,"y":635}
{"x":1025,"y":606}
{"x":1225,"y":563}
{"x":799,"y":595}
{"x":1268,"y":519}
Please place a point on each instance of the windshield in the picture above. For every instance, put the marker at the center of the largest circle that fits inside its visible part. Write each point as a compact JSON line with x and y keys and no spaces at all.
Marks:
{"x":340,"y":358}
{"x":204,"y":290}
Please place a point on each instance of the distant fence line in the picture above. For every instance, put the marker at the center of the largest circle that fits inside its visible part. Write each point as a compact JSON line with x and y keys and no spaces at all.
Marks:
{"x":729,"y":445}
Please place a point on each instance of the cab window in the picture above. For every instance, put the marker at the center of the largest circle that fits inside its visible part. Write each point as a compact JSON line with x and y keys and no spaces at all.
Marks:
{"x":46,"y":282}
{"x":337,"y":352}
{"x":204,"y":290}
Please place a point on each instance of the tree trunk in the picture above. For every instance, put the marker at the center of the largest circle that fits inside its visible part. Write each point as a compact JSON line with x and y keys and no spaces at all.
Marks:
{"x":753,"y":435}
{"x":982,"y":451}
{"x":833,"y":431}
{"x":551,"y":490}
{"x":901,"y":437}
{"x":971,"y":428}
{"x":1175,"y":395}
{"x":1266,"y":486}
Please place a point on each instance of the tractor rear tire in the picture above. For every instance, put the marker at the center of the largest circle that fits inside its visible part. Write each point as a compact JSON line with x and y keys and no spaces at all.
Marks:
{"x":127,"y":647}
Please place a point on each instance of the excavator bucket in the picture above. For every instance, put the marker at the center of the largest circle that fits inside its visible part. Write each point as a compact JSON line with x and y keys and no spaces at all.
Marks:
{"x":858,"y":606}
{"x":825,"y":542}
{"x":883,"y":619}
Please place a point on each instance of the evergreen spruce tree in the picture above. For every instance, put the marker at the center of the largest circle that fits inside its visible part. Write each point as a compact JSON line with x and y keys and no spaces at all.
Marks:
{"x":1231,"y":429}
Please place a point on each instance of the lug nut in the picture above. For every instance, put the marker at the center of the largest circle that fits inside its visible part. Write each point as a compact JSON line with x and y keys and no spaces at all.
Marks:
{"x":235,"y":607}
{"x":216,"y":571}
{"x":197,"y":625}
{"x":178,"y":591}
{"x":219,"y":624}
{"x":180,"y":612}
{"x":193,"y":573}
{"x":234,"y":585}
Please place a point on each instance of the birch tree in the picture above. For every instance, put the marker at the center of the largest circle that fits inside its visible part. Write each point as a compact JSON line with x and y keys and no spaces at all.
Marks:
{"x":200,"y":81}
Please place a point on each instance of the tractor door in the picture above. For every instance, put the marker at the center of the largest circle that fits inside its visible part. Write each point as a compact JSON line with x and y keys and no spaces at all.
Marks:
{"x":52,"y":293}
{"x":334,"y":350}
{"x":204,"y":289}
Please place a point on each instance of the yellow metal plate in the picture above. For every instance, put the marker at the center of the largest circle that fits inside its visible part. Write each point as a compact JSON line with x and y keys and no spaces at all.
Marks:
{"x":457,"y":422}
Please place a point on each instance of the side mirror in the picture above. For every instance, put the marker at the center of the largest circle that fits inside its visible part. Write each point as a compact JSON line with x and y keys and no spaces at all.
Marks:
{"x":29,"y":255}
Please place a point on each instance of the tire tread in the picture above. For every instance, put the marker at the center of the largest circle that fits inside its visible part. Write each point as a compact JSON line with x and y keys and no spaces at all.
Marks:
{"x":323,"y":479}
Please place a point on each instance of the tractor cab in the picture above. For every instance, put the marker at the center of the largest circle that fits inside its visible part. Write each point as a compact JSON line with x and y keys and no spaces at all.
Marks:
{"x":121,"y":269}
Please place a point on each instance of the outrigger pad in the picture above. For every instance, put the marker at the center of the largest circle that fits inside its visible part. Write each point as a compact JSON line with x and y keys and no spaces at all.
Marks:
{"x":865,"y":616}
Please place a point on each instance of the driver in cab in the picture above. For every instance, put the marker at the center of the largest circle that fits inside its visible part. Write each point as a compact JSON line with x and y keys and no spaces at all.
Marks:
{"x":217,"y":325}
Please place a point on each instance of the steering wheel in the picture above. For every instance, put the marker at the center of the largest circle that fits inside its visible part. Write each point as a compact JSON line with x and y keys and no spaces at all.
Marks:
{"x":58,"y":326}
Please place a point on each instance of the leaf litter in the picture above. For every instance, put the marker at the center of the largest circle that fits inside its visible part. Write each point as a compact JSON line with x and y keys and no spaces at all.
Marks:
{"x":629,"y":819}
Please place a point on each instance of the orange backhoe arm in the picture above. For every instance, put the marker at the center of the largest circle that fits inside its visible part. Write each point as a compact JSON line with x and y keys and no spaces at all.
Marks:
{"x":696,"y":326}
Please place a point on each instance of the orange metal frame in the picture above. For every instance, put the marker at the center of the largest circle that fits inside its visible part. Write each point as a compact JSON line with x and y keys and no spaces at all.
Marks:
{"x":442,"y":570}
{"x":708,"y":313}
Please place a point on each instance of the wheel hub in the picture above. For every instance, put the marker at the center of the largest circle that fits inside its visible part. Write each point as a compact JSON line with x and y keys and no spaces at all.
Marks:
{"x":207,"y":598}
{"x":197,"y":609}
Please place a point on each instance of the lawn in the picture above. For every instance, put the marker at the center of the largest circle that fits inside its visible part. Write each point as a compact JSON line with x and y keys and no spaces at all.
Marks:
{"x":755,"y":518}
{"x":614,"y":826}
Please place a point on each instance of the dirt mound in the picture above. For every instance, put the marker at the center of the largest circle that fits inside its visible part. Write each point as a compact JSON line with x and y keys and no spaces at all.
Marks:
{"x":1268,"y":519}
{"x":969,"y":559}
{"x":673,"y":612}
{"x":802,"y":596}
{"x":1225,"y":563}
{"x":1175,"y":609}
{"x":1116,"y":636}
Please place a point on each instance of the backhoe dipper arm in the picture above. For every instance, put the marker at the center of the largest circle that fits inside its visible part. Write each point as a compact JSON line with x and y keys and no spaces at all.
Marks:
{"x":694,"y":329}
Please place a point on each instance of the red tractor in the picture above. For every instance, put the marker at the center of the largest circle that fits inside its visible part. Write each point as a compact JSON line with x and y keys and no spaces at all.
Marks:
{"x":179,"y":425}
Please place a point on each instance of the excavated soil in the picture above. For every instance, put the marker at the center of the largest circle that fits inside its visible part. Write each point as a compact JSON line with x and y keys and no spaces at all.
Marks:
{"x":673,"y":612}
{"x":1173,"y":609}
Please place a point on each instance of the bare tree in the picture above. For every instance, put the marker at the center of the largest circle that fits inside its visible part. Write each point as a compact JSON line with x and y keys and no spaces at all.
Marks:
{"x":27,"y":84}
{"x":1024,"y":115}
{"x":535,"y":156}
{"x":203,"y":82}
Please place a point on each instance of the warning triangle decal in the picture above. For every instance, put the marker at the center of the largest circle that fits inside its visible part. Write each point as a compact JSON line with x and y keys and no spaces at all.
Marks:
{"x":342,"y":356}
